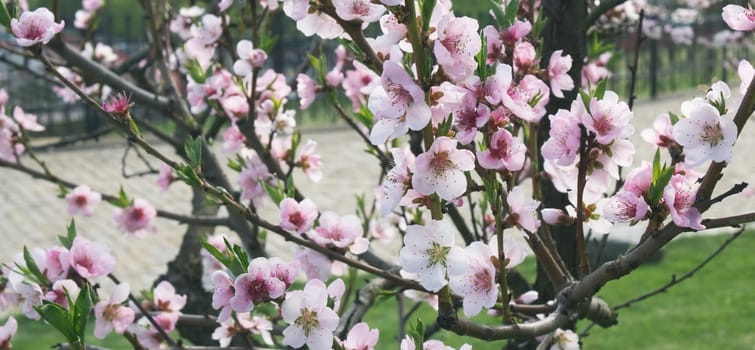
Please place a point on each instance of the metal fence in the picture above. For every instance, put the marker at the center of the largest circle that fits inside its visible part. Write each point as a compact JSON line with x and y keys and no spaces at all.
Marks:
{"x":664,"y":66}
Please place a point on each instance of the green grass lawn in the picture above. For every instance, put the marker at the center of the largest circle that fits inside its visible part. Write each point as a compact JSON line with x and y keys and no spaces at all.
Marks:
{"x":712,"y":310}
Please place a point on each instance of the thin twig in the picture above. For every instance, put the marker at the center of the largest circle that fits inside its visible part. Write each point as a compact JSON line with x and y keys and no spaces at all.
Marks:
{"x":674,"y":280}
{"x":144,"y":312}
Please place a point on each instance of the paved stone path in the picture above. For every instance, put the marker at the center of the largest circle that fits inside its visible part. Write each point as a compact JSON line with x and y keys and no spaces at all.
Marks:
{"x":31,"y":215}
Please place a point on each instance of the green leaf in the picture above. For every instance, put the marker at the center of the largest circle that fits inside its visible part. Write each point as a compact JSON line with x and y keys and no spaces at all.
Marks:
{"x":4,"y":16}
{"x":58,"y":317}
{"x":600,"y":90}
{"x":67,"y":240}
{"x":417,"y":332}
{"x":236,"y":266}
{"x":217,"y":254}
{"x":275,"y":192}
{"x":290,"y":187}
{"x":242,"y":256}
{"x":81,"y":310}
{"x":187,"y":174}
{"x":427,"y":12}
{"x":196,"y":72}
{"x":511,"y":10}
{"x":122,"y":201}
{"x":62,"y":191}
{"x":673,"y":117}
{"x":656,"y":164}
{"x":482,"y":58}
{"x":585,"y":99}
{"x":445,"y":126}
{"x":500,"y":17}
{"x":193,"y":149}
{"x":235,"y":165}
{"x":134,"y":128}
{"x":31,"y":265}
{"x":365,"y":117}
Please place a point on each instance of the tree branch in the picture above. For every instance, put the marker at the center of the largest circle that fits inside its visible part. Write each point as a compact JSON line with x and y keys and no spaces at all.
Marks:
{"x":599,"y":10}
{"x":674,"y":281}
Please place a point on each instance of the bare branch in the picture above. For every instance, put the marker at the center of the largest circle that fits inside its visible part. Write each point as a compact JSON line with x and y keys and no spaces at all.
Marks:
{"x":674,"y":281}
{"x":101,"y":74}
{"x":599,"y":10}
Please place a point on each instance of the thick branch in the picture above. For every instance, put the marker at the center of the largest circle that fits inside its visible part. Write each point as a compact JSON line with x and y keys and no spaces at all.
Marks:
{"x":103,"y":75}
{"x":599,"y":10}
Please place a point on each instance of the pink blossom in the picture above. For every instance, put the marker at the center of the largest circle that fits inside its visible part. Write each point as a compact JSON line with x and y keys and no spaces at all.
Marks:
{"x":136,"y":219}
{"x":745,"y":72}
{"x":468,"y":117}
{"x":519,"y":98}
{"x":26,"y":121}
{"x":397,"y":181}
{"x":441,"y":169}
{"x":209,"y":31}
{"x":310,"y":21}
{"x":233,"y":139}
{"x":524,"y":57}
{"x":7,"y":331}
{"x":61,"y":291}
{"x":341,"y":232}
{"x":361,"y":337}
{"x":563,"y":144}
{"x":111,"y":314}
{"x":119,"y":104}
{"x":148,"y":336}
{"x":90,"y":259}
{"x":705,"y":134}
{"x":314,"y":264}
{"x":92,"y":5}
{"x":565,"y":340}
{"x":31,"y":294}
{"x":286,"y":272}
{"x":504,"y":152}
{"x":249,"y":58}
{"x":359,"y":83}
{"x":82,"y":200}
{"x":165,"y":177}
{"x":679,"y":196}
{"x":517,"y":31}
{"x":638,"y":179}
{"x":224,"y":5}
{"x":555,"y":217}
{"x":358,"y":10}
{"x":738,"y":17}
{"x":609,"y":119}
{"x":448,"y":98}
{"x":297,"y":217}
{"x":456,"y":46}
{"x":523,"y":211}
{"x":475,"y":281}
{"x":256,"y":286}
{"x":310,"y":320}
{"x":306,"y":89}
{"x":35,"y":27}
{"x":57,"y":263}
{"x":558,"y":73}
{"x":309,"y":161}
{"x":595,"y":70}
{"x":223,"y":291}
{"x":165,"y":298}
{"x":3,"y":97}
{"x":662,"y":132}
{"x":250,"y":177}
{"x":398,"y":103}
{"x":428,"y":250}
{"x":235,"y":105}
{"x":625,"y":206}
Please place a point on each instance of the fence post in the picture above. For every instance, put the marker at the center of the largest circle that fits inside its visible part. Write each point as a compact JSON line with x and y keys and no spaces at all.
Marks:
{"x":653,"y":68}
